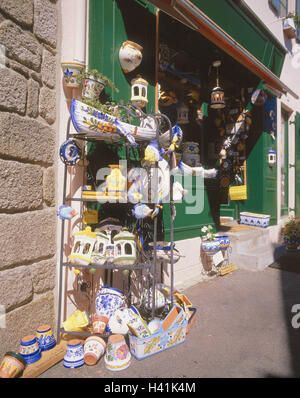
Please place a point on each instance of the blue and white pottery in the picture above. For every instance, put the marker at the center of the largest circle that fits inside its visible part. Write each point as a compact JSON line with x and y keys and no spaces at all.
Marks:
{"x":211,"y":246}
{"x":74,"y":356}
{"x":45,"y":338}
{"x":109,"y":300}
{"x":224,"y":242}
{"x":30,"y":349}
{"x":69,"y":152}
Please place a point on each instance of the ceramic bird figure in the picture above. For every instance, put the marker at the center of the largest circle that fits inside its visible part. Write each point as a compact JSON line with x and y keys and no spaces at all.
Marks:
{"x":66,"y":212}
{"x":141,"y":211}
{"x":153,"y":153}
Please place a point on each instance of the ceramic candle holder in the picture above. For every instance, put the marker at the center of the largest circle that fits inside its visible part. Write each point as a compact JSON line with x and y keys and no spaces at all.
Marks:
{"x":12,"y":365}
{"x":117,"y":356}
{"x":30,"y":349}
{"x":45,"y":337}
{"x":99,"y":323}
{"x":94,"y":348}
{"x":74,"y":357}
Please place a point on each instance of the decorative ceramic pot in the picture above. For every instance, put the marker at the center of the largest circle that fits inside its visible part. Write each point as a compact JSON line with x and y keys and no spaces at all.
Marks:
{"x":117,"y":356}
{"x":45,"y":338}
{"x":210,"y":246}
{"x":124,"y":248}
{"x":291,"y":243}
{"x":224,"y":242}
{"x":94,"y":348}
{"x":74,"y":356}
{"x":92,"y":87}
{"x":71,"y":70}
{"x":130,"y":56}
{"x":190,"y":147}
{"x":99,"y":323}
{"x":12,"y":365}
{"x":69,"y":152}
{"x":109,"y":300}
{"x":29,"y":349}
{"x":191,"y":159}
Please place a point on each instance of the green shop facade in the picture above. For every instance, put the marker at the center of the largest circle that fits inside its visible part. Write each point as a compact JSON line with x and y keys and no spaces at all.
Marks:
{"x":190,"y":52}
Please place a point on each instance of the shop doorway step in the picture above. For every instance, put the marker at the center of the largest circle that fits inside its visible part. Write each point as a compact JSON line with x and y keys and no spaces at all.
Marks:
{"x":251,"y":248}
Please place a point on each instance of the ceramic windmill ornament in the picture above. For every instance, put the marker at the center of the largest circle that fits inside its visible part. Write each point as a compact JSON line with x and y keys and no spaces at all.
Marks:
{"x":139,"y":95}
{"x":125,"y":253}
{"x":130,"y":56}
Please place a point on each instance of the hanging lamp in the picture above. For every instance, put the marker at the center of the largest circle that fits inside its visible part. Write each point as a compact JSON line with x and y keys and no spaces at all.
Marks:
{"x":217,"y":94}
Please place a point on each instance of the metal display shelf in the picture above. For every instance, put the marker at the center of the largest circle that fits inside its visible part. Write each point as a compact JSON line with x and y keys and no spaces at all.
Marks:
{"x":158,"y":118}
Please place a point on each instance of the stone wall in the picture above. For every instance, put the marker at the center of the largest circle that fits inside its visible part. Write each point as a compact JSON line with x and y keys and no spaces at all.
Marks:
{"x":29,"y":32}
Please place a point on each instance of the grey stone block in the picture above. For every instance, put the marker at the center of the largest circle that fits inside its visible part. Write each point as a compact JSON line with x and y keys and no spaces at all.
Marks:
{"x":21,"y":10}
{"x":13,"y":91}
{"x":15,"y":287}
{"x":27,"y":139}
{"x":27,"y":236}
{"x":47,"y":105}
{"x":20,"y":45}
{"x":43,"y":275}
{"x":25,"y":320}
{"x":49,"y":69}
{"x":33,"y":98}
{"x":45,"y":21}
{"x":49,"y":186}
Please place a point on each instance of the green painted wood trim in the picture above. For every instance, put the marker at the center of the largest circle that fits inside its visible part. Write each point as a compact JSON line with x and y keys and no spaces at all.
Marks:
{"x":297,"y":163}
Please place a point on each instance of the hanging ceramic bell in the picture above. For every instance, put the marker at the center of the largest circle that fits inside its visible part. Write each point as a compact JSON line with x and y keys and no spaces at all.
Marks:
{"x":124,"y":248}
{"x":130,"y":56}
{"x":139,"y":87}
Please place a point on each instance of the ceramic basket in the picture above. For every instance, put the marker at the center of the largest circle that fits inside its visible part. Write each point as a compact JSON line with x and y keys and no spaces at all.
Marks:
{"x":158,"y":342}
{"x":255,"y":220}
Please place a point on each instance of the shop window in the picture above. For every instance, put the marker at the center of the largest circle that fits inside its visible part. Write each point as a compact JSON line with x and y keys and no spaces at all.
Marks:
{"x":281,"y":7}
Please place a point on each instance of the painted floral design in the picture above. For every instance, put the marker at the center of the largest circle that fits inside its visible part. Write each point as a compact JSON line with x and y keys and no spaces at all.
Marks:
{"x":121,"y":352}
{"x":68,"y":75}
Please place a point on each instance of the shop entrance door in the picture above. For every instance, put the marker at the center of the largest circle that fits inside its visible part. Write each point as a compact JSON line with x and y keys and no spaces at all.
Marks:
{"x":297,"y":166}
{"x":284,"y":154}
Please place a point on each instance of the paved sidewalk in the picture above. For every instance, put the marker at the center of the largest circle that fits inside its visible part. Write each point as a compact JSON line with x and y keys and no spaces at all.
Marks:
{"x":242,"y":329}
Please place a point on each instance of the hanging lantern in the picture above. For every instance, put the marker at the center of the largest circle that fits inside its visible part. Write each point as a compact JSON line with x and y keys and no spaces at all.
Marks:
{"x":139,"y":92}
{"x":271,"y":157}
{"x":182,"y":114}
{"x":217,"y":94}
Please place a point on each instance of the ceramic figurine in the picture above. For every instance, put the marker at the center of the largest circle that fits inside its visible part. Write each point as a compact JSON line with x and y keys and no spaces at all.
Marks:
{"x":100,"y":246}
{"x":139,"y":88}
{"x":71,"y":70}
{"x":29,"y":349}
{"x":82,"y":249}
{"x":117,"y":356}
{"x":70,"y":153}
{"x":130,"y":56}
{"x":94,"y":348}
{"x":74,"y":356}
{"x":66,"y":212}
{"x":12,"y":365}
{"x":108,"y":300}
{"x":45,"y":337}
{"x":124,"y":248}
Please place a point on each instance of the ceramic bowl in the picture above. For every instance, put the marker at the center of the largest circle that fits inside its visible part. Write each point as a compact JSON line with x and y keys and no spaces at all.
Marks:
{"x":45,"y":337}
{"x":117,"y":356}
{"x":74,"y":356}
{"x":30,"y":349}
{"x":108,"y":300}
{"x":94,"y":348}
{"x":12,"y":365}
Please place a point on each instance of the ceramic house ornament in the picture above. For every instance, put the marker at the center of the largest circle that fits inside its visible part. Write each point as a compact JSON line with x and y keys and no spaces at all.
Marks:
{"x":100,"y":246}
{"x":139,"y":88}
{"x":130,"y":56}
{"x":125,"y":253}
{"x":82,"y":249}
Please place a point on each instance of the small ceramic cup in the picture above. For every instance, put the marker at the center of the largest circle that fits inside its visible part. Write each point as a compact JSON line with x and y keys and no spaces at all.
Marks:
{"x":74,"y":356}
{"x":12,"y":365}
{"x":45,"y":337}
{"x":94,"y":348}
{"x":99,"y":323}
{"x":30,"y":349}
{"x":117,"y":356}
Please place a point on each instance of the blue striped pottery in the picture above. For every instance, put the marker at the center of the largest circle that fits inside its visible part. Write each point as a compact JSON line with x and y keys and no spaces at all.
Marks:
{"x":224,"y":242}
{"x":45,"y":338}
{"x":211,"y":246}
{"x":74,"y":357}
{"x":30,"y":349}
